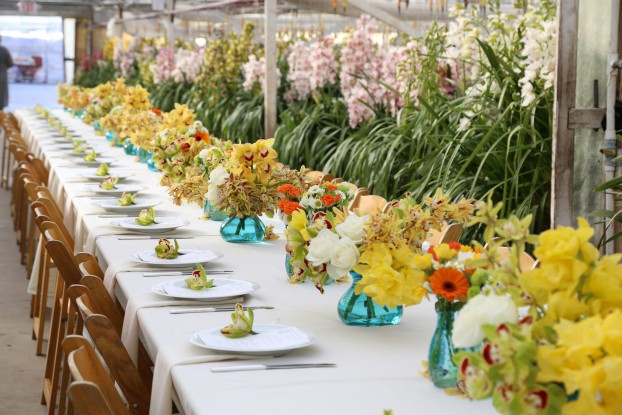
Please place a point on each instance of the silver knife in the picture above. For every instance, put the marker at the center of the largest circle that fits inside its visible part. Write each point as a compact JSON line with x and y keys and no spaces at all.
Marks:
{"x":268,"y":367}
{"x":215,"y":309}
{"x":130,"y":238}
{"x":178,"y":273}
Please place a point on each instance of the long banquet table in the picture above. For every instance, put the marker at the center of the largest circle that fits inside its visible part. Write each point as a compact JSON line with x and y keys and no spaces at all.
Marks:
{"x":378,"y":368}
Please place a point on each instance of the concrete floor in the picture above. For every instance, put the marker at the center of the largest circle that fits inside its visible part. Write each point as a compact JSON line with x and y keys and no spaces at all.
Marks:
{"x":28,"y":95}
{"x":21,"y":371}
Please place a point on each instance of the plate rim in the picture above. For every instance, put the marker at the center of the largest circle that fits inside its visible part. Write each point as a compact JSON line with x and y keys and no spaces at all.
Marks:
{"x":154,"y":230}
{"x":157,"y":286}
{"x":135,"y":258}
{"x":196,"y":340}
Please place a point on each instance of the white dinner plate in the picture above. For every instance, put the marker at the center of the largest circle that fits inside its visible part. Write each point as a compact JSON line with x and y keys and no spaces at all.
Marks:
{"x":118,"y":190}
{"x":188,"y":257}
{"x":223,"y":289}
{"x":95,"y":178}
{"x":163,"y":224}
{"x":112,"y":205}
{"x":95,"y":163}
{"x":272,"y":339}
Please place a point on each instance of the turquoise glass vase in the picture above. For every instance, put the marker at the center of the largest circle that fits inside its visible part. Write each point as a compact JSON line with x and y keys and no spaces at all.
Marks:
{"x":443,"y":370}
{"x":143,"y":155}
{"x":288,"y":265}
{"x":110,"y":135}
{"x":247,"y":229}
{"x":151,"y":164}
{"x":360,"y":310}
{"x":129,"y":148}
{"x":215,"y":213}
{"x":97,"y":125}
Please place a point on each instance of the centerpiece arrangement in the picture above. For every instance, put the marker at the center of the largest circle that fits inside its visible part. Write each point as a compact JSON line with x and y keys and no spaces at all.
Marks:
{"x":547,"y":340}
{"x":378,"y":251}
{"x":245,"y":185}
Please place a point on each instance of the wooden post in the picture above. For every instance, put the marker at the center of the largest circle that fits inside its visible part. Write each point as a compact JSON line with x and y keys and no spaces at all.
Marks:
{"x":565,"y":93}
{"x":270,"y":87}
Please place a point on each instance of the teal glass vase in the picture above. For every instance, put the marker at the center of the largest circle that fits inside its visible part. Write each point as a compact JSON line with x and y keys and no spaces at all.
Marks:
{"x":360,"y":310}
{"x":97,"y":125}
{"x":129,"y":148}
{"x":246,"y":229}
{"x":288,"y":265}
{"x":215,"y":213}
{"x":143,"y":155}
{"x":110,"y":135}
{"x":443,"y":370}
{"x":151,"y":164}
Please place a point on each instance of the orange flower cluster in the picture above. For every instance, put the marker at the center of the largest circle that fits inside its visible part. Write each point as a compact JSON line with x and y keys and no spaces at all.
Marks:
{"x":289,"y":190}
{"x":288,"y":206}
{"x":328,"y":199}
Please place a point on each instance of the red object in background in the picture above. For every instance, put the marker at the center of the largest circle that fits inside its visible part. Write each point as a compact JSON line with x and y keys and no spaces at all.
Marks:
{"x":27,"y":71}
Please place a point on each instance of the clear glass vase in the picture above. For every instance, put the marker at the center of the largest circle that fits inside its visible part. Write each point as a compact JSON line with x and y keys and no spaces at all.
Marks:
{"x":215,"y":213}
{"x":247,"y":229}
{"x":443,"y":370}
{"x":360,"y":310}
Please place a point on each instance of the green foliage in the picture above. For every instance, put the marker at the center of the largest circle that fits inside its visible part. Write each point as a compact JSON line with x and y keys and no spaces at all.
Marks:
{"x":100,"y":73}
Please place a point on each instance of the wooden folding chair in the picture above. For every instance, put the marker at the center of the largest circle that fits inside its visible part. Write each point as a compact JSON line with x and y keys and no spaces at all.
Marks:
{"x":103,"y":303}
{"x":85,"y":366}
{"x":69,"y":271}
{"x":365,"y":203}
{"x":87,"y":399}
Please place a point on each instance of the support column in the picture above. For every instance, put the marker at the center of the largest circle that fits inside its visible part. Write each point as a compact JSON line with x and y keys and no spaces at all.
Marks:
{"x":565,"y":94}
{"x":270,"y":83}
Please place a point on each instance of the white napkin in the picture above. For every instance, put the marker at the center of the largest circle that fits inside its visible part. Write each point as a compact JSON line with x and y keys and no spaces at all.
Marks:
{"x":182,"y":353}
{"x":189,"y":256}
{"x":129,"y":335}
{"x":110,"y":276}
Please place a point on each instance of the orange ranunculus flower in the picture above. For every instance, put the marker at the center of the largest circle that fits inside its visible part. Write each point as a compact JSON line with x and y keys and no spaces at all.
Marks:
{"x":449,"y":283}
{"x":329,"y":200}
{"x":291,"y":207}
{"x":285,"y":188}
{"x":282,"y":204}
{"x":294,"y":191}
{"x":330,"y":186}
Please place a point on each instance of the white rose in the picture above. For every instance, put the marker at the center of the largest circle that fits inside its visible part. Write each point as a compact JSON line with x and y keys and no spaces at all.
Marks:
{"x":480,"y":310}
{"x":218,"y":176}
{"x":212,"y":195}
{"x":353,"y":227}
{"x":321,"y":246}
{"x":344,"y":255}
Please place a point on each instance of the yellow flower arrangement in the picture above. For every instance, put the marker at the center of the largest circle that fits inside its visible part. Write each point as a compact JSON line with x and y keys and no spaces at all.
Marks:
{"x":180,"y":118}
{"x":137,"y":98}
{"x":246,"y":182}
{"x":565,"y":354}
{"x":393,"y":239}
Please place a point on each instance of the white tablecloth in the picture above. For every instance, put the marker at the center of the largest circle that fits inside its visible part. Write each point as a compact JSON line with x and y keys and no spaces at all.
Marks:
{"x":377,"y":368}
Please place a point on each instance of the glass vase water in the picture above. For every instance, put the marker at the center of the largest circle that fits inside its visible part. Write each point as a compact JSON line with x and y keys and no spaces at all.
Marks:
{"x":360,"y":310}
